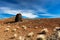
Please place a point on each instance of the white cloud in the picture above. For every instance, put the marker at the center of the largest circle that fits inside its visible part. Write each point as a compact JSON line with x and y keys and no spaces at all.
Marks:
{"x":26,"y":13}
{"x":56,"y":16}
{"x":47,"y":14}
{"x":44,"y":12}
{"x":30,"y":15}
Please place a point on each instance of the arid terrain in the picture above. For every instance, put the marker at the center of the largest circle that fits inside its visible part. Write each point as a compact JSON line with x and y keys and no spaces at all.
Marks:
{"x":10,"y":30}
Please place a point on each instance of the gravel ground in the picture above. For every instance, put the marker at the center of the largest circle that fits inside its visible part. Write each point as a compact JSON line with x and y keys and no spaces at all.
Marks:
{"x":9,"y":30}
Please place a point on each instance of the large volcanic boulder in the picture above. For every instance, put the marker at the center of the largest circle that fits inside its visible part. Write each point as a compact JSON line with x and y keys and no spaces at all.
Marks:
{"x":18,"y":18}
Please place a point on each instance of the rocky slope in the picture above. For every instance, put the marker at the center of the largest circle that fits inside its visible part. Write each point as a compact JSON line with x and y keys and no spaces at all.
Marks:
{"x":10,"y":30}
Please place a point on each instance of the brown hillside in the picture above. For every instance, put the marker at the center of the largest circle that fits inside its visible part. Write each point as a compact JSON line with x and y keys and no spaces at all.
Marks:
{"x":32,"y":25}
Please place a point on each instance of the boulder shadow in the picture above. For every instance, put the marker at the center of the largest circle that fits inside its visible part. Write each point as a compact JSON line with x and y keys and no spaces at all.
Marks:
{"x":10,"y":22}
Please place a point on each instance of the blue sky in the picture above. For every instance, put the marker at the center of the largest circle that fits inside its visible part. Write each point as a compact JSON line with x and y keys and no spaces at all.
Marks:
{"x":30,"y":8}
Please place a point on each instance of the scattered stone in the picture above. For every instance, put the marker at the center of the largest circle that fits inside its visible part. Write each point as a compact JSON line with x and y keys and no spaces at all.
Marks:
{"x":14,"y":30}
{"x":45,"y":29}
{"x":8,"y":26}
{"x":24,"y":27}
{"x":36,"y":27}
{"x":30,"y":34}
{"x":15,"y":35}
{"x":6,"y":30}
{"x":17,"y":27}
{"x":21,"y":38}
{"x":56,"y":28}
{"x":59,"y":34}
{"x":43,"y":32}
{"x":41,"y":37}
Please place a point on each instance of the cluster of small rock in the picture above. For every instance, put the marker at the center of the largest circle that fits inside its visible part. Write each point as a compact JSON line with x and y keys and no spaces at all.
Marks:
{"x":55,"y":35}
{"x":40,"y":36}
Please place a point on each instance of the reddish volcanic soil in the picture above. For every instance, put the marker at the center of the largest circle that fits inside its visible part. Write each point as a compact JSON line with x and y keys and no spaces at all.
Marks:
{"x":9,"y":28}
